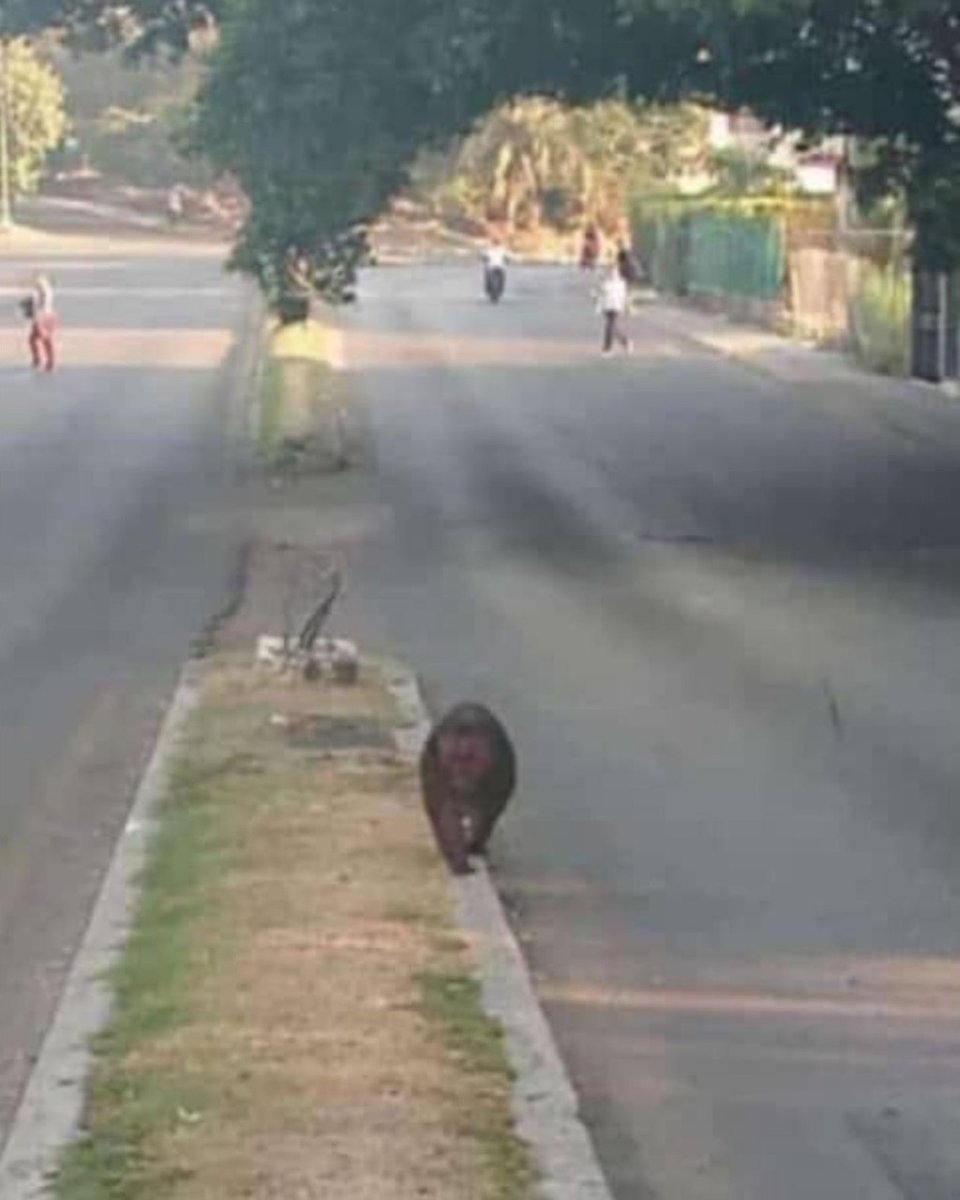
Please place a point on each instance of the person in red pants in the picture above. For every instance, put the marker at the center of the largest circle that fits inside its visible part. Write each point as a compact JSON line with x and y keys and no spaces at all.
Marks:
{"x":39,"y":309}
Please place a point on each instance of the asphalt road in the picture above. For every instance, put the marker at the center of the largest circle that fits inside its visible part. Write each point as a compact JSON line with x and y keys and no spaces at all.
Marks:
{"x":117,"y":545}
{"x":719,"y":613}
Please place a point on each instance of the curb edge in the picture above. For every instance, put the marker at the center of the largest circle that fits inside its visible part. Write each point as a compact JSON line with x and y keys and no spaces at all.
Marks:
{"x":545,"y":1105}
{"x":50,"y":1112}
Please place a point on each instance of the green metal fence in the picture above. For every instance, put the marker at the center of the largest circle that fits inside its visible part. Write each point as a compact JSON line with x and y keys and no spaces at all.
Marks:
{"x":664,"y":245}
{"x":718,"y":254}
{"x":736,"y":256}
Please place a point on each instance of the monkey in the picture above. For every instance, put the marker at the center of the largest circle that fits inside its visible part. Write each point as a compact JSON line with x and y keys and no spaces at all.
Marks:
{"x":468,"y":771}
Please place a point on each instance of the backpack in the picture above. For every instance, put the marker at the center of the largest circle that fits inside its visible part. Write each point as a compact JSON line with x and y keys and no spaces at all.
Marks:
{"x":629,"y":269}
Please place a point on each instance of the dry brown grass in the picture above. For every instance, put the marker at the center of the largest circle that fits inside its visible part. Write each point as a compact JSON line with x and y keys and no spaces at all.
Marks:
{"x":302,"y":1061}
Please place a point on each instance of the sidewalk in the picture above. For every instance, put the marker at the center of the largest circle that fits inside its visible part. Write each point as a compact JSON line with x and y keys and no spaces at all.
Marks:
{"x":784,"y":358}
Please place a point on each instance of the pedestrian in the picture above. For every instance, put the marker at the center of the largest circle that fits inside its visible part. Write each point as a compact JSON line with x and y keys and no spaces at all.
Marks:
{"x":175,"y":205}
{"x":627,"y":265}
{"x":38,"y":308}
{"x":612,"y":303}
{"x":590,"y":249}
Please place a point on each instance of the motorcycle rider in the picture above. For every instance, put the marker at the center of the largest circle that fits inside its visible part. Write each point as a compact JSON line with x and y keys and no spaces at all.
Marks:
{"x":590,"y":248}
{"x":494,"y":268}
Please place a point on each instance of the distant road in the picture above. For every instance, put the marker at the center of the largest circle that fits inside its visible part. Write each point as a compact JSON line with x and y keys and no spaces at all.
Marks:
{"x":116,"y":545}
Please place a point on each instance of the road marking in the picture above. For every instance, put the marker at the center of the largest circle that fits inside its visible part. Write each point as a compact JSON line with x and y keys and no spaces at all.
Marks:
{"x":144,"y":293}
{"x":170,"y":349}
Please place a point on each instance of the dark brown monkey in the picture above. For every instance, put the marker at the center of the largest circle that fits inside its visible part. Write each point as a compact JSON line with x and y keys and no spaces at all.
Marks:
{"x":468,"y":770}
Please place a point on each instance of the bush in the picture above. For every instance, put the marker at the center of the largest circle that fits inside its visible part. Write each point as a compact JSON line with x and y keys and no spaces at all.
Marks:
{"x":880,"y":319}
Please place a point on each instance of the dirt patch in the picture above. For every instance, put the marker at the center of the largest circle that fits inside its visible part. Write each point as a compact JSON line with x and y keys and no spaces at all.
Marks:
{"x":318,"y":731}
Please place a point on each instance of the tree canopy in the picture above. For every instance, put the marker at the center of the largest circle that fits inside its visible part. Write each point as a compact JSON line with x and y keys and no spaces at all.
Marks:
{"x":535,"y":161}
{"x":35,"y":107}
{"x":886,"y":71}
{"x":324,"y":145}
{"x":318,"y":105}
{"x":25,"y":16}
{"x":142,"y":25}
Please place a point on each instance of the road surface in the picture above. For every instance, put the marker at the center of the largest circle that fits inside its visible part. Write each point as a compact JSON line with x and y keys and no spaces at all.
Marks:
{"x":116,"y":546}
{"x":719,"y":611}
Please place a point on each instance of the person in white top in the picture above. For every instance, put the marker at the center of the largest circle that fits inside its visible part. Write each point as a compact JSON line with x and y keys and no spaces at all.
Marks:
{"x":612,"y":303}
{"x":494,"y":270}
{"x":495,"y":257}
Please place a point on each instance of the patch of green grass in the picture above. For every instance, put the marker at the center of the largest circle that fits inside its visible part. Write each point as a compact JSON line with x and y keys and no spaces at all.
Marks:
{"x":150,"y":982}
{"x":128,"y":1104}
{"x":507,"y":1164}
{"x":451,"y":1000}
{"x":110,"y":1161}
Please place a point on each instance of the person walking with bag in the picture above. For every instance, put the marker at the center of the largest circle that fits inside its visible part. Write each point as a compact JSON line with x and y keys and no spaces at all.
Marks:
{"x":612,"y":303}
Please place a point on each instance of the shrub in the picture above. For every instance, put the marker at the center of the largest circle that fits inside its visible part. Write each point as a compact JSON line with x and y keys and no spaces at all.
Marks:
{"x":880,"y":319}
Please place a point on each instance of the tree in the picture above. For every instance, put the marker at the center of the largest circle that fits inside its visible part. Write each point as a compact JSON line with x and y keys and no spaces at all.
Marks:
{"x":317,"y":124}
{"x":515,"y":158}
{"x":537,"y":160}
{"x":639,"y":148}
{"x":143,"y":26}
{"x":738,"y":172}
{"x":18,"y":17}
{"x":887,"y":71}
{"x":32,"y":117}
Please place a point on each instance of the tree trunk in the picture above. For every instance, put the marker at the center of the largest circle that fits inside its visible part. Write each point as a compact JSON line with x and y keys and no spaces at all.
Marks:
{"x":935,"y":319}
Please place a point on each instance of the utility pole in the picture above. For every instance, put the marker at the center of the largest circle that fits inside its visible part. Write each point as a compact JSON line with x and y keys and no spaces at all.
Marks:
{"x":6,"y":208}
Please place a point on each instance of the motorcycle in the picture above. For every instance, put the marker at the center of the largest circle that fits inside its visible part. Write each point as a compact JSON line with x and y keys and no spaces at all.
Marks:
{"x":494,"y":282}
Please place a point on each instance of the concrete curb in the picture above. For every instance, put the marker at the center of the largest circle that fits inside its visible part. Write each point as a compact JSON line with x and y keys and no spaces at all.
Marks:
{"x":545,"y":1105}
{"x":51,"y":1109}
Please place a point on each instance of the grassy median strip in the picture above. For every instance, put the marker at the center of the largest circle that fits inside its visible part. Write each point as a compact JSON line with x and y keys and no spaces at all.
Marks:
{"x":296,"y":1013}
